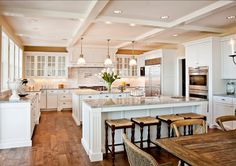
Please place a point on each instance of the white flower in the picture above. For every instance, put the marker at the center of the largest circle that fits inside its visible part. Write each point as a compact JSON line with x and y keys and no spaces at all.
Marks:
{"x":103,"y":70}
{"x":113,"y":69}
{"x":109,"y":70}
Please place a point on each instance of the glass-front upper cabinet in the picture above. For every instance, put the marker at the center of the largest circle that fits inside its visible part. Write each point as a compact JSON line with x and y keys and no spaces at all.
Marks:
{"x":39,"y":65}
{"x":123,"y":68}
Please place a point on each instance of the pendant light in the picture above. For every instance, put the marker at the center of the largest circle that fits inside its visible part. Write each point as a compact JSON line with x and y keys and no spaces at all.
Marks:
{"x":81,"y":60}
{"x":133,"y":61}
{"x":233,"y":55}
{"x":108,"y":61}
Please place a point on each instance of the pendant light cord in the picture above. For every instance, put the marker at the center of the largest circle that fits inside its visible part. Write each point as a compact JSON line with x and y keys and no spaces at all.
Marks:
{"x":133,"y":49}
{"x":108,"y":54}
{"x":81,"y":48}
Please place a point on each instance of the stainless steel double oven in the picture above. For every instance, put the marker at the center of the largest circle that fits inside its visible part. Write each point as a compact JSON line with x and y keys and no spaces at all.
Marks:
{"x":198,"y":82}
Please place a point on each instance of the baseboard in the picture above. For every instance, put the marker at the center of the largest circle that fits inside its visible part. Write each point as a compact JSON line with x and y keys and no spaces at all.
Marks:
{"x":77,"y":122}
{"x":15,"y":144}
{"x":85,"y":145}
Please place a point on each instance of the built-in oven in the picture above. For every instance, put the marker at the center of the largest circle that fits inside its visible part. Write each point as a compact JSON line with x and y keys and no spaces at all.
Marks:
{"x":198,"y":82}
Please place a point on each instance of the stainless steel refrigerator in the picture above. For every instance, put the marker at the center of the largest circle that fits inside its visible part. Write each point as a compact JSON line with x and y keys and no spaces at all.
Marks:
{"x":153,"y":80}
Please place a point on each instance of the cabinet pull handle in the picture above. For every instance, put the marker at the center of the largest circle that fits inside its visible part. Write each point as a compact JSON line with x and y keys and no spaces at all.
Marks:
{"x":223,"y":99}
{"x":106,"y":96}
{"x":90,"y":97}
{"x":64,"y":96}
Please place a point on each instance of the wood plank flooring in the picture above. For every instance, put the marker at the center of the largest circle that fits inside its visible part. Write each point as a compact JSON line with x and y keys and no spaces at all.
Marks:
{"x":57,"y":142}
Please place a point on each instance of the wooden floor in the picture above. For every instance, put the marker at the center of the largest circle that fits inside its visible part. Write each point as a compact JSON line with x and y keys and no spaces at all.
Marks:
{"x":57,"y":141}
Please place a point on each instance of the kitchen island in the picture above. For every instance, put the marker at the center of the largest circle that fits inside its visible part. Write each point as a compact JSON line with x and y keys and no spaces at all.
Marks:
{"x":96,"y":111}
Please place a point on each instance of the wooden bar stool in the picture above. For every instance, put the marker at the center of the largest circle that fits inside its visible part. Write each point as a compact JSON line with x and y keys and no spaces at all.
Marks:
{"x":168,"y":119}
{"x":147,"y":121}
{"x":191,"y":115}
{"x":114,"y":125}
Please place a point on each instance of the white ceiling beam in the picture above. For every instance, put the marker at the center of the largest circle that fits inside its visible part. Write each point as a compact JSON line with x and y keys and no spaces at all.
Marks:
{"x":39,"y":13}
{"x":93,"y":11}
{"x":132,"y":20}
{"x":143,"y":36}
{"x":161,"y":41}
{"x":201,"y":28}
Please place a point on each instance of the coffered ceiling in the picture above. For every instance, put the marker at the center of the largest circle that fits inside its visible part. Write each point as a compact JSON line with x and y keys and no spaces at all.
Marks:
{"x":151,"y":24}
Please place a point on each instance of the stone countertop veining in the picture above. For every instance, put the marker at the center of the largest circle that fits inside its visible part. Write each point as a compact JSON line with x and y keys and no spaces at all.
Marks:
{"x":138,"y":101}
{"x":225,"y":95}
{"x":28,"y":98}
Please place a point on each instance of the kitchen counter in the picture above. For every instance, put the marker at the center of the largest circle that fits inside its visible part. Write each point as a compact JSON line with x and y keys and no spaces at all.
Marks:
{"x":91,"y":91}
{"x":96,"y":111}
{"x":28,"y":98}
{"x":225,"y":95}
{"x":138,"y":101}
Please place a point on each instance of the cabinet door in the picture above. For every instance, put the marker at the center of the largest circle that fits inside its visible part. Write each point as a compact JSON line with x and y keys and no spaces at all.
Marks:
{"x":204,"y":52}
{"x":51,"y":65}
{"x":191,"y":56}
{"x":43,"y":99}
{"x":30,"y":66}
{"x":51,"y":99}
{"x":41,"y":65}
{"x":228,"y":67}
{"x":221,"y":109}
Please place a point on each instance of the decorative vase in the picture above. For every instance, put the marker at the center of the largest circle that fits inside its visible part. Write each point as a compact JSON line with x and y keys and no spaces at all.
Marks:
{"x":109,"y":86}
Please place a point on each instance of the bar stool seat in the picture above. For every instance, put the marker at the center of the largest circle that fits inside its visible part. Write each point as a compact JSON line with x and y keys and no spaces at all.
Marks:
{"x":168,"y":119}
{"x":192,"y":115}
{"x":115,"y":124}
{"x":147,"y":121}
{"x":119,"y":123}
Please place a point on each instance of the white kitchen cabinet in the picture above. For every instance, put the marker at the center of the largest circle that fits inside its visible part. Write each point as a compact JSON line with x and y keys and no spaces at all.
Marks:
{"x":64,"y":99}
{"x":52,"y":99}
{"x":123,"y":68}
{"x":45,"y":64}
{"x":223,"y":106}
{"x":228,"y":67}
{"x":43,"y":99}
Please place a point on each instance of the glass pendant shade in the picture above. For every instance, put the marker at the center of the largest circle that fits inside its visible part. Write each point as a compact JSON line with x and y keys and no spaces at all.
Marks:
{"x":108,"y":61}
{"x":81,"y":60}
{"x":132,"y":61}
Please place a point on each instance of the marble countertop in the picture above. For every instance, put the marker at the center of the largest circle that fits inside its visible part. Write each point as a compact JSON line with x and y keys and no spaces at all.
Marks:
{"x":28,"y":98}
{"x":91,"y":92}
{"x":225,"y":95}
{"x":138,"y":101}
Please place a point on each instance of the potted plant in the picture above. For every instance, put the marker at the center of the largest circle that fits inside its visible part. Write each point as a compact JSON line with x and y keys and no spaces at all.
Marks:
{"x":109,"y":76}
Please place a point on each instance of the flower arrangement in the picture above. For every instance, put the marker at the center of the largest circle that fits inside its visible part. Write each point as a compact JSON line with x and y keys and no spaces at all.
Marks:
{"x":109,"y":76}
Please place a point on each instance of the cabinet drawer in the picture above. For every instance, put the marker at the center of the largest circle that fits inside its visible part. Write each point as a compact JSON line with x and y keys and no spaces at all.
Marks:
{"x":105,"y":96}
{"x":119,"y":95}
{"x":64,"y":91}
{"x":43,"y":92}
{"x":51,"y":91}
{"x":234,"y":101}
{"x":89,"y":97}
{"x":222,"y":99}
{"x":65,"y":104}
{"x":64,"y":97}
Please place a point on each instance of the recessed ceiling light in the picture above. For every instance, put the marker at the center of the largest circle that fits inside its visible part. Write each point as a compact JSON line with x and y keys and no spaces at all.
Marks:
{"x":164,"y":17}
{"x":230,"y":17}
{"x":20,"y":34}
{"x":132,"y":24}
{"x":108,"y":22}
{"x":175,"y":35}
{"x":117,"y":11}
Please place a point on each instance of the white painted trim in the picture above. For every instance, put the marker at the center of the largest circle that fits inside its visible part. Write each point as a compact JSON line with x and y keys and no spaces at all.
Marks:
{"x":77,"y":122}
{"x":15,"y":144}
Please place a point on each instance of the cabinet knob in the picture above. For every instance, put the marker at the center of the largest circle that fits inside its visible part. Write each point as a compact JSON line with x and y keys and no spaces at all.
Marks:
{"x":106,"y":96}
{"x":223,"y":99}
{"x":90,"y":97}
{"x":64,"y":96}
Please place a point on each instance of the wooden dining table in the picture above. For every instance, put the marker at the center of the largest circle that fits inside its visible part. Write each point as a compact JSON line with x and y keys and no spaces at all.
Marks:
{"x":211,"y":149}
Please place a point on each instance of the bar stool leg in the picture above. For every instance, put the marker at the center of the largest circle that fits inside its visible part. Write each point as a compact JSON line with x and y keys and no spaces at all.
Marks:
{"x":148,"y":137}
{"x":158,"y":131}
{"x":132,"y":132}
{"x":169,"y":131}
{"x":113,"y":144}
{"x":141,"y":135}
{"x":123,"y":143}
{"x":106,"y":138}
{"x":184,"y":130}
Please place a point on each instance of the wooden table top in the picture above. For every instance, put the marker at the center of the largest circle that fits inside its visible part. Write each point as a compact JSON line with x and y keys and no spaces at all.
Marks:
{"x":203,"y":150}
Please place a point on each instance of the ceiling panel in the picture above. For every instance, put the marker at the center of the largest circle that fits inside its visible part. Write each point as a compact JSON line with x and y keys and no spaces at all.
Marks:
{"x":66,"y":6}
{"x":115,"y":31}
{"x":218,"y":19}
{"x":153,"y":10}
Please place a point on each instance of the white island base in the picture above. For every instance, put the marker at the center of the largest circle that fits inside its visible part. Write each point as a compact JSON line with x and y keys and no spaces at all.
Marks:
{"x":95,"y":112}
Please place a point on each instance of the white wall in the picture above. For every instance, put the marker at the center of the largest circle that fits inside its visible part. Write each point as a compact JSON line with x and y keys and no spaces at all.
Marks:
{"x":91,"y":54}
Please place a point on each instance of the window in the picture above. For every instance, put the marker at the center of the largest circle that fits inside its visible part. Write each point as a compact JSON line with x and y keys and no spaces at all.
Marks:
{"x":12,"y":61}
{"x":16,"y":62}
{"x":4,"y":62}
